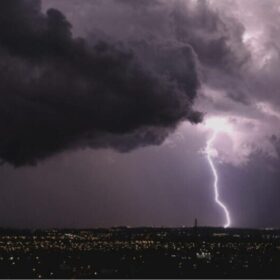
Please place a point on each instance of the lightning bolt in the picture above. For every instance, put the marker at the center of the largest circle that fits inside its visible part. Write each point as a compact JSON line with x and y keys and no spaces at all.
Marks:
{"x":216,"y":178}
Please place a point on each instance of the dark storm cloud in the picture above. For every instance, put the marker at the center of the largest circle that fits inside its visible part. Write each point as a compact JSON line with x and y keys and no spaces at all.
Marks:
{"x":58,"y":92}
{"x":218,"y":42}
{"x":215,"y":37}
{"x":211,"y":36}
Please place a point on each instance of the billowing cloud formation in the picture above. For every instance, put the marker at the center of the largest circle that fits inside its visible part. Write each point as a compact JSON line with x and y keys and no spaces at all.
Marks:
{"x":137,"y":73}
{"x":153,"y":28}
{"x":250,"y":100}
{"x":59,"y":92}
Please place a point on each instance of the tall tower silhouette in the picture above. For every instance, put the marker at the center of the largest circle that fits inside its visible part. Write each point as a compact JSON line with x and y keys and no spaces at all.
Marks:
{"x":195,"y":223}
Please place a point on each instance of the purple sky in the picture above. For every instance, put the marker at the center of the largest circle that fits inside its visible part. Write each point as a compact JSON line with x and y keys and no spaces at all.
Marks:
{"x":108,"y":132}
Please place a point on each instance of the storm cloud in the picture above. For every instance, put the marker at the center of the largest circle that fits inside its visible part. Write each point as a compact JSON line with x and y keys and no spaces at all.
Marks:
{"x":59,"y":92}
{"x":142,"y":68}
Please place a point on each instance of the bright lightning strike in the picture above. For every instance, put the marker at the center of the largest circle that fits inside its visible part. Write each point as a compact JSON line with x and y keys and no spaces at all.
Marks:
{"x":209,"y":153}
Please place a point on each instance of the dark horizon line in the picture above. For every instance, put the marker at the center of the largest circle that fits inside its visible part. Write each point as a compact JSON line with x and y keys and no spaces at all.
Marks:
{"x":138,"y":227}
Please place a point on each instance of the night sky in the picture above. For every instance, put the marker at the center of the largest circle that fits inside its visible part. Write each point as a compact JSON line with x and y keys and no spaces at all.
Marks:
{"x":107,"y":106}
